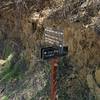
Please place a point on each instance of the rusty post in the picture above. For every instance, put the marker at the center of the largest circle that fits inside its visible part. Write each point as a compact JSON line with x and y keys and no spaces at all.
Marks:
{"x":54,"y":64}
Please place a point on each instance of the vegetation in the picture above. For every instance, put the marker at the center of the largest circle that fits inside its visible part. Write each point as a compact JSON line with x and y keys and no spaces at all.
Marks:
{"x":63,"y":75}
{"x":45,"y":92}
{"x":14,"y":67}
{"x":4,"y":98}
{"x":23,"y":75}
{"x":13,"y":71}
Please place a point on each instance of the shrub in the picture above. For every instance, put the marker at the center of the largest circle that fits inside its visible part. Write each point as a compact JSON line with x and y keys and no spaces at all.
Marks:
{"x":4,"y":98}
{"x":13,"y":69}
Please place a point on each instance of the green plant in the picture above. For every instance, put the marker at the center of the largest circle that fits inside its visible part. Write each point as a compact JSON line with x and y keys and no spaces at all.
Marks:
{"x":4,"y":98}
{"x":45,"y":92}
{"x":13,"y":69}
{"x":62,"y":75}
{"x":7,"y":50}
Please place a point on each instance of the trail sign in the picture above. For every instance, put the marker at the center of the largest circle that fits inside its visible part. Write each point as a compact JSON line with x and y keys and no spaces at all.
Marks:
{"x":55,"y":49}
{"x":53,"y":36}
{"x":51,"y":52}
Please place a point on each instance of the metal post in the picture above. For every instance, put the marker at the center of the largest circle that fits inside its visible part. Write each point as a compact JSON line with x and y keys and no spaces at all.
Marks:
{"x":54,"y":65}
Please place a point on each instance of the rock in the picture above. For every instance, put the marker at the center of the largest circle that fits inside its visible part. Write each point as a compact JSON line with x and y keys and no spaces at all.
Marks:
{"x":97,"y":76}
{"x":2,"y":62}
{"x":72,"y":76}
{"x":85,"y":4}
{"x":90,"y":82}
{"x":95,"y":90}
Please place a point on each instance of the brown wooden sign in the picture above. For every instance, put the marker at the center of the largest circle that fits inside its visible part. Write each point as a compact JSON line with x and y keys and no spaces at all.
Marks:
{"x":53,"y":36}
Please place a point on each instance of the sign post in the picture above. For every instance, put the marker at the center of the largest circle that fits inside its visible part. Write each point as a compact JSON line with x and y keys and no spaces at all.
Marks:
{"x":53,"y":53}
{"x":54,"y":65}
